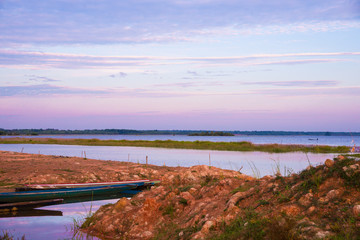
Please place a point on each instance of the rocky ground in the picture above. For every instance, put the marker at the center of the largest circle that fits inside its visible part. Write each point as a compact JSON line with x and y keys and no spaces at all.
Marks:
{"x":202,"y":202}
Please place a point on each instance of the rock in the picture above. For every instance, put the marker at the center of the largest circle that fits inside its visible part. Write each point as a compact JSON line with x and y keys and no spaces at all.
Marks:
{"x":323,"y":200}
{"x":267,"y":177}
{"x":146,"y":234}
{"x":322,"y":234}
{"x":238,"y":196}
{"x":311,"y":210}
{"x":356,"y":211}
{"x":121,"y":204}
{"x":291,"y":210}
{"x":333,"y":194}
{"x":352,"y":169}
{"x":192,"y":191}
{"x":329,"y":163}
{"x":206,"y":227}
{"x":110,"y":228}
{"x":188,"y":197}
{"x":306,"y":200}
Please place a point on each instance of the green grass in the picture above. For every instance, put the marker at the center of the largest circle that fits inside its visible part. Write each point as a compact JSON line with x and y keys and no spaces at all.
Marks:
{"x":204,"y":145}
{"x":351,"y":177}
{"x":241,"y":189}
{"x":255,"y":226}
{"x":251,"y":226}
{"x":169,"y":210}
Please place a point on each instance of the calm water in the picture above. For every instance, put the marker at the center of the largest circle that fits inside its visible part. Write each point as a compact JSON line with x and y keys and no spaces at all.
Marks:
{"x":264,"y":162}
{"x":51,"y":227}
{"x":318,"y":140}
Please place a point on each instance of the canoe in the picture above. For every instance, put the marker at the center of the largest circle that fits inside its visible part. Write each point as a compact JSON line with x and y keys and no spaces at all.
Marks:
{"x":37,"y":195}
{"x":32,"y":187}
{"x":125,"y":193}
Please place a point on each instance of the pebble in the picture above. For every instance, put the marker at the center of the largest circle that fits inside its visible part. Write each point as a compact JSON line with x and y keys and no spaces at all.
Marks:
{"x":356,"y":211}
{"x":329,"y":163}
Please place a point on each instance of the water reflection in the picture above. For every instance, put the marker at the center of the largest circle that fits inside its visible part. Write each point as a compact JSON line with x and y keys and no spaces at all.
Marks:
{"x":56,"y":221}
{"x":30,"y":213}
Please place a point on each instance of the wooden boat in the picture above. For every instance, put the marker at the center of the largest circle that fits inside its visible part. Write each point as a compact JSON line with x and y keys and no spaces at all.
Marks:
{"x":38,"y":192}
{"x":45,"y":194}
{"x":32,"y":187}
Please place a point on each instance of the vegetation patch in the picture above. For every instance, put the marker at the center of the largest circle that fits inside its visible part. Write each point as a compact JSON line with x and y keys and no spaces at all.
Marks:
{"x":206,"y":145}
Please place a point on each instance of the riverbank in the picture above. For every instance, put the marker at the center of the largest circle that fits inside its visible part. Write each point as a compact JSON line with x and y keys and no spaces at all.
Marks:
{"x":203,"y":202}
{"x":200,"y":145}
{"x":21,"y":168}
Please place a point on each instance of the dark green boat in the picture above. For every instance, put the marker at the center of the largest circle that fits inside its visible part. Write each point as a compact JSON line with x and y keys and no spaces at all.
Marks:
{"x":64,"y":193}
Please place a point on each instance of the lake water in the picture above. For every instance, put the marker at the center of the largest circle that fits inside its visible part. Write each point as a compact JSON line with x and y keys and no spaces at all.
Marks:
{"x":306,"y":140}
{"x":51,"y":227}
{"x":247,"y":161}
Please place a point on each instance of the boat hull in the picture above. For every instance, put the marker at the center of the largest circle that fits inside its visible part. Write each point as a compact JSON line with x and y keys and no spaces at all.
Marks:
{"x":11,"y":197}
{"x":31,"y":187}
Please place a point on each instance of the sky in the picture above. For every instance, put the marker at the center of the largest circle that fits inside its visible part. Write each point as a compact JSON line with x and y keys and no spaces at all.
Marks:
{"x":291,"y":65}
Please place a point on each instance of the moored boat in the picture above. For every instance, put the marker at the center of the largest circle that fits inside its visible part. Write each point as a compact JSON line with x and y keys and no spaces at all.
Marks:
{"x":73,"y":192}
{"x":32,"y":187}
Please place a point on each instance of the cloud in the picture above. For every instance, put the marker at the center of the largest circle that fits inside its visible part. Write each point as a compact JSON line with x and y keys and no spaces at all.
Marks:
{"x":52,"y":90}
{"x":113,"y":21}
{"x":293,"y":83}
{"x":193,"y":84}
{"x":193,"y":73}
{"x":43,"y":90}
{"x":35,"y":78}
{"x":81,"y":61}
{"x":118,"y":75}
{"x":353,"y":91}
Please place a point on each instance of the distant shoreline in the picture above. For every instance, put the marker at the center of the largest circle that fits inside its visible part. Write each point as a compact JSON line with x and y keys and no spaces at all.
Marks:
{"x":36,"y":132}
{"x":199,"y":145}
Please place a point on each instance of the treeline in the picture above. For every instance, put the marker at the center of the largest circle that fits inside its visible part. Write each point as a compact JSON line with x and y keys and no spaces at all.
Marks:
{"x":295,"y":133}
{"x":212,"y":133}
{"x":51,"y":131}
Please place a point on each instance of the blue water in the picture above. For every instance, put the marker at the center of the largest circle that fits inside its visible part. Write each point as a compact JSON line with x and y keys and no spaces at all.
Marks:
{"x":306,"y":140}
{"x":52,"y":227}
{"x":264,"y":162}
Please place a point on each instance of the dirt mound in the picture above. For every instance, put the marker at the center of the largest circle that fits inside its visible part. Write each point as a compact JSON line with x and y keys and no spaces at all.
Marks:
{"x":204,"y":202}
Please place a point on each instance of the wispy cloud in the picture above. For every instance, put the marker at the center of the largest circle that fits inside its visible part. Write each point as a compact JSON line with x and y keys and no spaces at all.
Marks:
{"x":52,"y":90}
{"x":35,"y":78}
{"x":118,"y":75}
{"x":43,"y":90}
{"x":193,"y":84}
{"x":311,"y":91}
{"x":192,"y":73}
{"x":112,"y":21}
{"x":293,"y":83}
{"x":81,"y":61}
